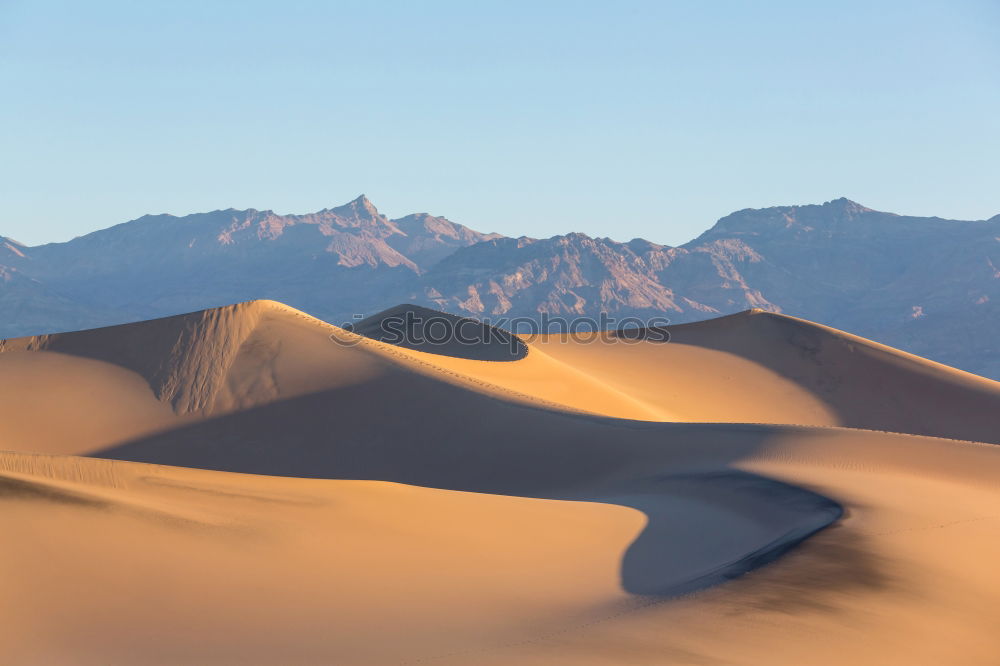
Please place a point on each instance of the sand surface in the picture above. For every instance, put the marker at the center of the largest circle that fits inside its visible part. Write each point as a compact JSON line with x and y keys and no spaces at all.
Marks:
{"x":249,"y":485}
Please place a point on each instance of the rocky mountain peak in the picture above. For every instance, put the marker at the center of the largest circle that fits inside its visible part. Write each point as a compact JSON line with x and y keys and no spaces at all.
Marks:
{"x":782,"y":220}
{"x":362,"y":206}
{"x":845,"y":205}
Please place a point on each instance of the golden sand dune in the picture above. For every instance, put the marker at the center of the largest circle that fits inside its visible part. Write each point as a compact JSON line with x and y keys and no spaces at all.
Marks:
{"x":587,"y":501}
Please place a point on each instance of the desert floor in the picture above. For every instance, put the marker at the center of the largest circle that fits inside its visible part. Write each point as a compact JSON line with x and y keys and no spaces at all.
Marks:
{"x":250,"y":485}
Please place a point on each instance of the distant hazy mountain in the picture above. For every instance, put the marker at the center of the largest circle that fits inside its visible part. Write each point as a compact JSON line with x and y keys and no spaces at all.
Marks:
{"x":565,"y":275}
{"x":334,"y":262}
{"x":26,"y":304}
{"x":926,"y":285}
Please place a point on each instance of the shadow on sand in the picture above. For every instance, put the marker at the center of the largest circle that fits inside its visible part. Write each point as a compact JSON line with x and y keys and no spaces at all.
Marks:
{"x":707,"y":522}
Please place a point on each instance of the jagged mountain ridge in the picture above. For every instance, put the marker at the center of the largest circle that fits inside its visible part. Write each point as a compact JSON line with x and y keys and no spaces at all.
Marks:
{"x":161,"y":264}
{"x":926,"y":285}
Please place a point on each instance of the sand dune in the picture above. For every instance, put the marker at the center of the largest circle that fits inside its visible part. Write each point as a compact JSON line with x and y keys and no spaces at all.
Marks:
{"x":762,"y":367}
{"x":263,"y":487}
{"x":751,"y":367}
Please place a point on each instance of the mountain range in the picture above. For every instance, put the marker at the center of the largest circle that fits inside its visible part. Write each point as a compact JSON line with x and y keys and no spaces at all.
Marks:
{"x":926,"y":285}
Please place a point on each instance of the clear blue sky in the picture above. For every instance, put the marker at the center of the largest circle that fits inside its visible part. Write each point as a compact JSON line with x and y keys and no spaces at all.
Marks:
{"x":617,"y":119}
